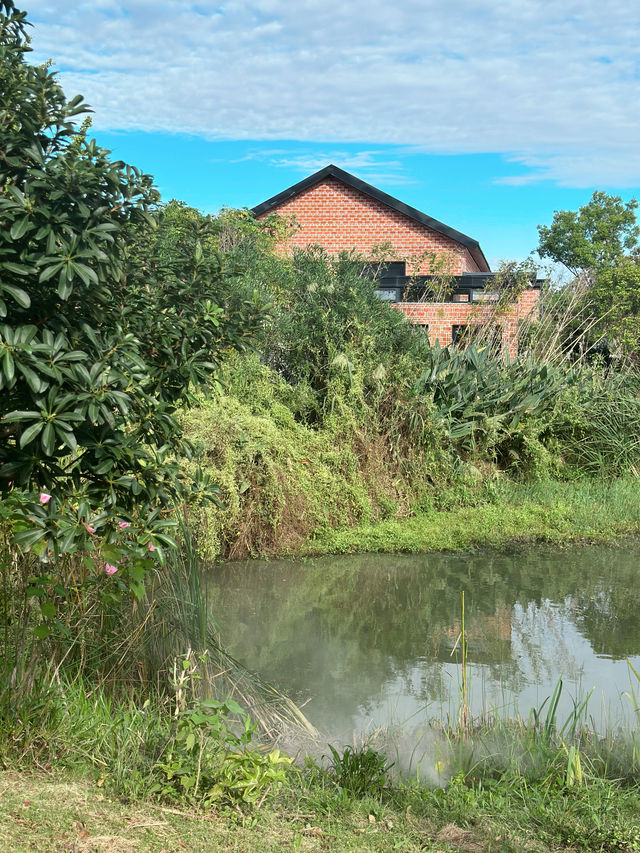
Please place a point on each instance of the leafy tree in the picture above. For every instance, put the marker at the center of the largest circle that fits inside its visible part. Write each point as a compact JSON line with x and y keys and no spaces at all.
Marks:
{"x":598,"y":235}
{"x":330,"y":321}
{"x":615,"y":298}
{"x":199,"y":306}
{"x":106,"y":323}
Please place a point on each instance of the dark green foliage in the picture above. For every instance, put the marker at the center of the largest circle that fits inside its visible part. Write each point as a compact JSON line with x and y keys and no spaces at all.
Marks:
{"x":110,"y":321}
{"x":595,"y":422}
{"x":614,"y":299}
{"x":599,"y":244}
{"x":331,"y":323}
{"x":207,"y":761}
{"x":353,"y":417}
{"x":184,"y":299}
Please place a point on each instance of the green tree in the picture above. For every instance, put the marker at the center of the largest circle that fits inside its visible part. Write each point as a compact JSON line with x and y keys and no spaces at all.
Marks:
{"x":107,"y":322}
{"x":615,"y":299}
{"x":331,"y":323}
{"x":598,"y":235}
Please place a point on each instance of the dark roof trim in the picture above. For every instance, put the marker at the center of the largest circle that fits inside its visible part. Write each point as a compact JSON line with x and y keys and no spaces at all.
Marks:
{"x":332,"y":171}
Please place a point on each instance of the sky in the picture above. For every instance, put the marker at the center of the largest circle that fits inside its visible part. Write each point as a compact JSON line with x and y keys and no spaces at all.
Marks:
{"x":485,"y":114}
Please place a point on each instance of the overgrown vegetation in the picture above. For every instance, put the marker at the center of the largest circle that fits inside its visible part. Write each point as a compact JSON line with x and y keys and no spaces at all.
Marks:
{"x":175,"y":389}
{"x":347,"y":415}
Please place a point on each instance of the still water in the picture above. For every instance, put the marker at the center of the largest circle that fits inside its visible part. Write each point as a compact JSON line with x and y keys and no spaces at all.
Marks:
{"x":371,"y":640}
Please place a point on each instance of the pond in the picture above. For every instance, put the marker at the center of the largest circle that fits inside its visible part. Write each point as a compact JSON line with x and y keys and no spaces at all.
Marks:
{"x":373,"y":640}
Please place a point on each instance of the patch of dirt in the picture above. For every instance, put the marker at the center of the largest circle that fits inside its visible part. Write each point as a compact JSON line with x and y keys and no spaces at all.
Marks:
{"x":459,"y":839}
{"x":105,"y":844}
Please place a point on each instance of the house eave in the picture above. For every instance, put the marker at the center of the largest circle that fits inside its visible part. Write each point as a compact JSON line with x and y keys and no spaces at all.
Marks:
{"x":332,"y":171}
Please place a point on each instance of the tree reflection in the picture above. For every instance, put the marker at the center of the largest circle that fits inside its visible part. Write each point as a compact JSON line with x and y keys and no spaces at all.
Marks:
{"x":350,"y":629}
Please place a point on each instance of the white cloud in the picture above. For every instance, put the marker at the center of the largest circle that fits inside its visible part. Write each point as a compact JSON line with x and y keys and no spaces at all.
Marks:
{"x":373,"y":165}
{"x":553,"y":85}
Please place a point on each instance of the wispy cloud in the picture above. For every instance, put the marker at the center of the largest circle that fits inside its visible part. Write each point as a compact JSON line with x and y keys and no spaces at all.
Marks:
{"x":607,"y":166}
{"x":552,"y":85}
{"x":373,"y":165}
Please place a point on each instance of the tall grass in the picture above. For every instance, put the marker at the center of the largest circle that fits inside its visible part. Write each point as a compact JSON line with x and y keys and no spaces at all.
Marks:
{"x":178,"y":616}
{"x":128,"y":651}
{"x":505,"y":747}
{"x":541,"y":746}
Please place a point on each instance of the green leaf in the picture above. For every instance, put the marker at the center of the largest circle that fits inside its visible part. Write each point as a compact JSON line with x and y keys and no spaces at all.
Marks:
{"x":111,"y":553}
{"x":48,"y":439}
{"x":19,"y":228}
{"x":65,"y":287}
{"x":12,"y":417}
{"x":167,"y":540}
{"x":41,"y":632}
{"x":18,"y":269}
{"x":233,"y":707}
{"x":30,"y":433}
{"x":49,"y":272}
{"x":28,"y":538}
{"x":48,"y":609}
{"x":68,"y":541}
{"x":137,"y":589}
{"x":86,"y":274}
{"x":33,"y":380}
{"x":105,"y":226}
{"x":137,"y":572}
{"x":21,"y":296}
{"x":67,"y":437}
{"x":8,"y":365}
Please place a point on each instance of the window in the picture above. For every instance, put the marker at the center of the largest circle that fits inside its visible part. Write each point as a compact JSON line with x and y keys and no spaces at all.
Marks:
{"x":389,"y":294}
{"x":484,"y":335}
{"x":459,"y":334}
{"x":385,"y":270}
{"x":484,"y":296}
{"x":389,"y":278}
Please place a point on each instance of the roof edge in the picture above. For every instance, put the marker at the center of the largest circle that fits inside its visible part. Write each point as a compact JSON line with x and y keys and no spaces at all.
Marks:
{"x":332,"y":171}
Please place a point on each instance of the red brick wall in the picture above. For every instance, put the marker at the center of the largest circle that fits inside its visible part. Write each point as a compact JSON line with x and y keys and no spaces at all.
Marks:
{"x":339,"y":217}
{"x":442,"y":316}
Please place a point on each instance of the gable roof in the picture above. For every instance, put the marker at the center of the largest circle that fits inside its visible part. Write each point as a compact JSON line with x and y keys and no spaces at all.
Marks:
{"x":332,"y":171}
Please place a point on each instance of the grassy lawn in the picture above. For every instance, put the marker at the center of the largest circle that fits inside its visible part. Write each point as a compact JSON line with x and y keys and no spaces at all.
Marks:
{"x":66,"y":813}
{"x":63,"y":813}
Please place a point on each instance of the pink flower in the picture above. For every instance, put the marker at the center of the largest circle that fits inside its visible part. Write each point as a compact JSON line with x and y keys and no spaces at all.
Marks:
{"x":123,"y":525}
{"x":90,"y":528}
{"x":109,"y":569}
{"x":44,"y":498}
{"x":152,"y":547}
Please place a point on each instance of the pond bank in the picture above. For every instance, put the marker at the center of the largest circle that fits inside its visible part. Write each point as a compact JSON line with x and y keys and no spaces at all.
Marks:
{"x":590,"y":511}
{"x":98,"y":793}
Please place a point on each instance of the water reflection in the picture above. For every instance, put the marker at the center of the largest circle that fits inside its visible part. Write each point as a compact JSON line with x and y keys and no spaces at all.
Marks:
{"x":369,"y":638}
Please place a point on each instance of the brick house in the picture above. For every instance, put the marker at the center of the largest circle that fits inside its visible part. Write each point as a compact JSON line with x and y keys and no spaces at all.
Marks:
{"x":338,"y":211}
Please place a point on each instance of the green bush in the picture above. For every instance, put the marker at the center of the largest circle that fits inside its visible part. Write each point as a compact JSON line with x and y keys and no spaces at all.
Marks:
{"x":361,"y":772}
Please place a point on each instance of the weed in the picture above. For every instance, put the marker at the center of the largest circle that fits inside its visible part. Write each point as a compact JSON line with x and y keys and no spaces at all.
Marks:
{"x":360,"y":772}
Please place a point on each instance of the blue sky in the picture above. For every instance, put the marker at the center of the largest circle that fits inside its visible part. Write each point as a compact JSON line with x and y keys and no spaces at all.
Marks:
{"x":486,"y":114}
